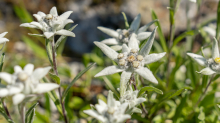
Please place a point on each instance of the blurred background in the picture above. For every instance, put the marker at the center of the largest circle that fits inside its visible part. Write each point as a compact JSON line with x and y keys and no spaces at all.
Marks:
{"x":75,"y":53}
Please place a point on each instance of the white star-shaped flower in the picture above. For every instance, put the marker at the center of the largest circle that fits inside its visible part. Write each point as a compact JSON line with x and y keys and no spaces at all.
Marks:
{"x":51,"y":24}
{"x":131,"y":60}
{"x":112,"y":112}
{"x":131,"y":97}
{"x":212,"y":64}
{"x":122,"y":36}
{"x":2,"y":39}
{"x":25,"y":82}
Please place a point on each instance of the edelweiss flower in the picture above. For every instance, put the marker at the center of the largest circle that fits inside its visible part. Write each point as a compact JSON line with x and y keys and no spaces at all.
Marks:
{"x":51,"y":24}
{"x":122,"y":36}
{"x":2,"y":39}
{"x":131,"y":60}
{"x":25,"y":82}
{"x":212,"y":64}
{"x":112,"y":112}
{"x":131,"y":98}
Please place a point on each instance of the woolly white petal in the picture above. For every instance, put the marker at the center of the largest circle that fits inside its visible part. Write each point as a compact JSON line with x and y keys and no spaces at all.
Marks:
{"x":6,"y":77}
{"x":48,"y":34}
{"x":15,"y":89}
{"x":207,"y":71}
{"x":125,"y":76}
{"x":135,"y":23}
{"x":28,"y":25}
{"x":39,"y":73}
{"x":53,"y":11}
{"x":109,"y":70}
{"x":17,"y":69}
{"x":125,"y":48}
{"x":94,"y":114}
{"x":116,"y":47}
{"x":3,"y":92}
{"x":133,"y":42}
{"x":198,"y":58}
{"x":102,"y":103}
{"x":65,"y":33}
{"x":38,"y":25}
{"x":123,"y":107}
{"x":109,"y":32}
{"x":215,"y":51}
{"x":110,"y":41}
{"x":140,"y":100}
{"x":3,"y":34}
{"x":45,"y":87}
{"x":143,"y":36}
{"x":41,"y":14}
{"x":18,"y":98}
{"x":147,"y":74}
{"x":40,"y":35}
{"x":153,"y":57}
{"x":38,"y":17}
{"x":210,"y":30}
{"x":29,"y":69}
{"x":112,"y":54}
{"x":147,"y":47}
{"x":65,"y":15}
{"x":110,"y":100}
{"x":3,"y":40}
{"x":123,"y":118}
{"x":100,"y":109}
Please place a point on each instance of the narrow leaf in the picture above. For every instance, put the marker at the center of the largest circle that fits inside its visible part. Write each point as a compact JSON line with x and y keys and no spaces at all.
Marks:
{"x":63,"y":37}
{"x":126,"y":21}
{"x":75,"y":79}
{"x":2,"y":58}
{"x":49,"y":50}
{"x":55,"y":78}
{"x":145,"y":27}
{"x":30,"y":110}
{"x":160,"y":33}
{"x":31,"y":117}
{"x":53,"y":96}
{"x":218,"y":22}
{"x":149,"y":88}
{"x":109,"y":84}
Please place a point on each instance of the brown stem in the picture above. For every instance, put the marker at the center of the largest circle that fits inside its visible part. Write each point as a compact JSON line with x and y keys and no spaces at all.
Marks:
{"x":133,"y":82}
{"x":56,"y":72}
{"x":6,"y":109}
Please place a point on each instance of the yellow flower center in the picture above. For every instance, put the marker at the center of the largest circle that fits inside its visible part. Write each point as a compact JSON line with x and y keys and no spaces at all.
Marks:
{"x":131,"y":58}
{"x":217,"y":60}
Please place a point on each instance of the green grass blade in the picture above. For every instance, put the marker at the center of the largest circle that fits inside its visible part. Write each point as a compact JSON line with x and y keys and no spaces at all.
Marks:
{"x":160,"y":32}
{"x":149,"y":88}
{"x":218,"y":22}
{"x":75,"y":79}
{"x":126,"y":20}
{"x":30,"y":110}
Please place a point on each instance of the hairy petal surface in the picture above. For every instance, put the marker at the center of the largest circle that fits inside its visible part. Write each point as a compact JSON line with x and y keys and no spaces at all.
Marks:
{"x":198,"y":58}
{"x":109,"y":70}
{"x":147,"y":74}
{"x":153,"y":57}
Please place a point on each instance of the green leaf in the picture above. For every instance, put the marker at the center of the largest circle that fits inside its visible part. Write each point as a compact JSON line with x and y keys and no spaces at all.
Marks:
{"x":53,"y":96}
{"x":75,"y":79}
{"x":2,"y":58}
{"x":39,"y":51}
{"x":160,"y":33}
{"x":218,"y":22}
{"x":31,"y":117}
{"x":126,"y":21}
{"x":22,"y":13}
{"x":149,"y":88}
{"x":183,"y":35}
{"x":201,"y":114}
{"x":29,"y":112}
{"x":63,"y":37}
{"x":178,"y":92}
{"x":109,"y":84}
{"x":49,"y":51}
{"x":55,"y":78}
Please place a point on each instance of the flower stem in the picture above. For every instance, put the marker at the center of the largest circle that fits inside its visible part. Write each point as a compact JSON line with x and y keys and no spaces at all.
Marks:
{"x":56,"y":72}
{"x":6,"y":109}
{"x":133,"y":81}
{"x":21,"y":108}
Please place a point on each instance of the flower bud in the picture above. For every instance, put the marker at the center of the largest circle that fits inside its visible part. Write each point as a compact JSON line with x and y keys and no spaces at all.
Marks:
{"x":120,"y":55}
{"x":131,"y":58}
{"x":49,"y":16}
{"x":121,"y":62}
{"x":217,"y":60}
{"x":135,"y":64}
{"x":22,"y":76}
{"x":140,"y":58}
{"x":134,"y":50}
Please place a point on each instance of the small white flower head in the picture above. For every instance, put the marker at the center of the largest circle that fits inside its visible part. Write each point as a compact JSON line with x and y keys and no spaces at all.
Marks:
{"x":51,"y":24}
{"x":112,"y":112}
{"x":131,"y":97}
{"x":23,"y":83}
{"x":131,"y":60}
{"x":122,"y":36}
{"x":2,"y":39}
{"x":212,"y":64}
